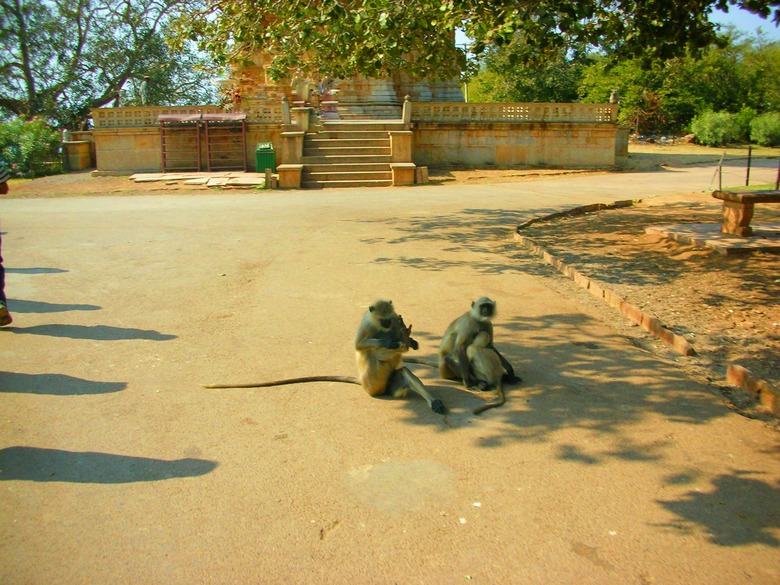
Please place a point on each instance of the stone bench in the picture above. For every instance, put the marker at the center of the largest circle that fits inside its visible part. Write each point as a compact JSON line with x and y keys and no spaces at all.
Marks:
{"x":738,"y":209}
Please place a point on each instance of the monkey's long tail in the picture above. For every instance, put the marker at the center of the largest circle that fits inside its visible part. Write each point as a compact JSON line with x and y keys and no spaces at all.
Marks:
{"x":501,"y":400}
{"x":422,"y":362}
{"x":345,"y":379}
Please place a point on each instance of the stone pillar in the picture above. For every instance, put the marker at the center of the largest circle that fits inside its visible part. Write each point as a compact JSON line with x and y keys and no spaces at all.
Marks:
{"x":736,"y":218}
{"x":300,"y":118}
{"x":406,"y":113}
{"x":292,"y":147}
{"x":401,"y":145}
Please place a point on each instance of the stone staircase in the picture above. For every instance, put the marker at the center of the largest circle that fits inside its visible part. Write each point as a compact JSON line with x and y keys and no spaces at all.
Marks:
{"x":348,"y":153}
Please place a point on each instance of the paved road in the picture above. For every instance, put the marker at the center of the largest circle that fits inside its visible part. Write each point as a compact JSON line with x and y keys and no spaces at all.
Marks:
{"x":607,"y":465}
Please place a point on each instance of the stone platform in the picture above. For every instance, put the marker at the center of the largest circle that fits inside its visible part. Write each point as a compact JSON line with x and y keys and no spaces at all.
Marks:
{"x":236,"y":179}
{"x":765,"y":238}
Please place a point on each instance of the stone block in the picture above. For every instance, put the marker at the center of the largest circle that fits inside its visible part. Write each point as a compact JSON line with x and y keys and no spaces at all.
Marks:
{"x":290,"y":176}
{"x":403,"y":173}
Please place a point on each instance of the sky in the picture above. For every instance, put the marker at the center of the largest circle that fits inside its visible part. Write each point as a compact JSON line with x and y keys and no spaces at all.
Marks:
{"x":747,"y":22}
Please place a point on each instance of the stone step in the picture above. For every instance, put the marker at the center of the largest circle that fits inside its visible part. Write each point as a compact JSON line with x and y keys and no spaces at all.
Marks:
{"x":330,"y":141}
{"x":361,"y":125}
{"x":346,"y":151}
{"x":346,"y":158}
{"x":349,"y":135}
{"x":346,"y":183}
{"x":334,"y":175}
{"x":347,"y":167}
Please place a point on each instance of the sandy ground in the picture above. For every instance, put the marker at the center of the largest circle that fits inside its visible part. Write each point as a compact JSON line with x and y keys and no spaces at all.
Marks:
{"x":609,"y":464}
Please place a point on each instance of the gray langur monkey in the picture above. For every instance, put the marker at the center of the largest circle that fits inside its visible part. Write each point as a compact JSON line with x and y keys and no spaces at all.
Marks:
{"x":453,"y":352}
{"x":486,"y":366}
{"x":380,"y":342}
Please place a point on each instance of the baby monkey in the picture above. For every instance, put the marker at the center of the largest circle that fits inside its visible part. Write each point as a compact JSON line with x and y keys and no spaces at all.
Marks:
{"x":381,"y":340}
{"x":484,"y":367}
{"x":487,"y":367}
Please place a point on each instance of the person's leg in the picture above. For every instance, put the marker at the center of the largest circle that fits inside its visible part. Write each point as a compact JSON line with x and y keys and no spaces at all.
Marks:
{"x":5,"y":316}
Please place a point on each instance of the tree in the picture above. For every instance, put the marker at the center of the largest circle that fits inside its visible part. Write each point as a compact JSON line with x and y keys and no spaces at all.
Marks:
{"x":61,"y":58}
{"x":738,"y":75}
{"x":513,"y":73}
{"x":379,"y":37}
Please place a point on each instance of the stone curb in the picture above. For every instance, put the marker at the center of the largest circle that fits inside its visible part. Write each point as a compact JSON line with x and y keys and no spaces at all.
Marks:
{"x":741,"y":377}
{"x":647,"y":321}
{"x":735,"y":375}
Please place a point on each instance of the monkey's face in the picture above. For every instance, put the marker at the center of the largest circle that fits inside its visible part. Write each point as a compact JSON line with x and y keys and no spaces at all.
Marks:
{"x":483,"y":309}
{"x":382,"y":313}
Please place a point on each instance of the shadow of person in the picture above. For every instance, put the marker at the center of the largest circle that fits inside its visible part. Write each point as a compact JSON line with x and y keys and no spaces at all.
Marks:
{"x":55,"y":385}
{"x":95,"y":332}
{"x":23,"y":306}
{"x":36,"y":464}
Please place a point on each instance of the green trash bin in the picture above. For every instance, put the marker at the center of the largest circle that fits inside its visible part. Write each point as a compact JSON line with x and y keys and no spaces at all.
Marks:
{"x":265,"y":157}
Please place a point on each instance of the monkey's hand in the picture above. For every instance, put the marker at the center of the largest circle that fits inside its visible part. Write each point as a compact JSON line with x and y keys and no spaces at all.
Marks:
{"x":390,"y":343}
{"x":406,"y":333}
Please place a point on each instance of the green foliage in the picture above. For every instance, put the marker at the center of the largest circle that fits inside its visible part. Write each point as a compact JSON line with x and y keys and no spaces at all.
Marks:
{"x":62,"y":59}
{"x":383,"y":37}
{"x":518,"y":73}
{"x":742,"y":122}
{"x":715,"y":128}
{"x":30,"y":148}
{"x":765,"y":129}
{"x":742,"y":75}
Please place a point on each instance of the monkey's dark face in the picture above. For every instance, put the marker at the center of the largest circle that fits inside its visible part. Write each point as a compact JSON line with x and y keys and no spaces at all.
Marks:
{"x":382,"y":312}
{"x":483,"y":309}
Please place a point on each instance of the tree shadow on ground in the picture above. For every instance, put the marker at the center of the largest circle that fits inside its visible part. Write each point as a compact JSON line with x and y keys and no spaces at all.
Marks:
{"x":55,"y":385}
{"x":95,"y":332}
{"x":738,"y":511}
{"x":46,"y":465}
{"x":574,"y":380}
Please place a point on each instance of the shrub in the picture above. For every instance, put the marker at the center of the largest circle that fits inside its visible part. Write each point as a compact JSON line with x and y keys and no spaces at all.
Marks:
{"x":714,"y":128}
{"x":742,"y":121}
{"x":30,"y":148}
{"x":765,"y":129}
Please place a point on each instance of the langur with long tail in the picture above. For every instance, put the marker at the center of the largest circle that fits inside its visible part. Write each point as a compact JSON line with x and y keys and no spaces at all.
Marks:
{"x":454,"y":361}
{"x":381,"y":340}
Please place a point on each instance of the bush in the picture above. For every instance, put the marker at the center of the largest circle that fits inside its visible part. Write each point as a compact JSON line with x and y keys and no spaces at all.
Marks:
{"x":30,"y":148}
{"x":742,"y":121}
{"x":765,"y":129}
{"x":715,"y":128}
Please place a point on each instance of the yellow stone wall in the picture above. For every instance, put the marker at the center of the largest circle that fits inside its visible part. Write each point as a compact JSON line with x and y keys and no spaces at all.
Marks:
{"x":507,"y":144}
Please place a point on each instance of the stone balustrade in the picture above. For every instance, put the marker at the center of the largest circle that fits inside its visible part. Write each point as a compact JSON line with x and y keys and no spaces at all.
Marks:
{"x":146,"y":116}
{"x":513,"y":112}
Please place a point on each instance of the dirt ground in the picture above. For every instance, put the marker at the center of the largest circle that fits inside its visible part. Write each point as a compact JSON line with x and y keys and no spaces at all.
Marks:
{"x":725,"y":306}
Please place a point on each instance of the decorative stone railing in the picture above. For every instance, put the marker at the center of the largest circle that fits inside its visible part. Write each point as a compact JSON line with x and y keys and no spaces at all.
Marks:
{"x":513,"y":112}
{"x":138,"y":117}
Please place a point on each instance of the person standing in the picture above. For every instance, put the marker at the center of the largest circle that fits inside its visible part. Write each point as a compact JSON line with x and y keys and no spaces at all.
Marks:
{"x":5,"y":316}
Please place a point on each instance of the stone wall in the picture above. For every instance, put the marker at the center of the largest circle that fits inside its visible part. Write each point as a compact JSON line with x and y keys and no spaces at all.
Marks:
{"x":480,"y":144}
{"x":127,"y":140}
